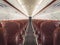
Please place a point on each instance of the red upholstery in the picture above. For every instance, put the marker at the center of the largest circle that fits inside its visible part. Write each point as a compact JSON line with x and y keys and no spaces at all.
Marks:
{"x":38,"y":31}
{"x":59,"y":25}
{"x":13,"y":32}
{"x":47,"y":29}
{"x":0,"y":25}
{"x":23,"y":26}
{"x":11,"y":28}
{"x":20,"y":39}
{"x":56,"y":36}
{"x":3,"y":40}
{"x":36,"y":24}
{"x":39,"y":39}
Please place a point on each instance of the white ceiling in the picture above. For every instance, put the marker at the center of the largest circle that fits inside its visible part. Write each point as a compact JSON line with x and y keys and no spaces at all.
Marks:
{"x":17,"y":5}
{"x":30,"y":7}
{"x":41,"y":5}
{"x":50,"y":13}
{"x":9,"y":13}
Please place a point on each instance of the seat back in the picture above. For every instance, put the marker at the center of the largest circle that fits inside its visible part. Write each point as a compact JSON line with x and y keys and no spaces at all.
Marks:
{"x":56,"y":36}
{"x":36,"y":25}
{"x":47,"y":29}
{"x":3,"y":40}
{"x":20,"y":39}
{"x":23,"y":26}
{"x":11,"y":29}
{"x":0,"y":25}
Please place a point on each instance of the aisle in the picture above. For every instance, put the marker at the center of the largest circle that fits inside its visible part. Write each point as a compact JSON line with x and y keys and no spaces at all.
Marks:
{"x":30,"y":38}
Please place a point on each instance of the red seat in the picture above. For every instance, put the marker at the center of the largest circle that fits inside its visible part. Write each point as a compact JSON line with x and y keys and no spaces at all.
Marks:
{"x":59,"y":25}
{"x":3,"y":40}
{"x":47,"y":29}
{"x":36,"y":25}
{"x":23,"y":26}
{"x":20,"y":39}
{"x":0,"y":25}
{"x":56,"y":36}
{"x":39,"y":39}
{"x":11,"y":28}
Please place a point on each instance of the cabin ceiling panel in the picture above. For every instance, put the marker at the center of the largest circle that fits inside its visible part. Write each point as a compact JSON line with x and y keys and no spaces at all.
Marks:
{"x":55,"y":7}
{"x":40,"y":5}
{"x":52,"y":9}
{"x":9,"y":13}
{"x":17,"y":6}
{"x":52,"y":16}
{"x":50,"y":13}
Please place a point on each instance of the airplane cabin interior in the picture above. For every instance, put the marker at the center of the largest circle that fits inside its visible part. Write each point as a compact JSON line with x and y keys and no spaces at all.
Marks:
{"x":29,"y":22}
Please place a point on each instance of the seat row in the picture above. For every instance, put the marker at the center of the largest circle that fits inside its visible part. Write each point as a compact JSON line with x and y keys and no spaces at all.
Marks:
{"x":45,"y":31}
{"x":11,"y":32}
